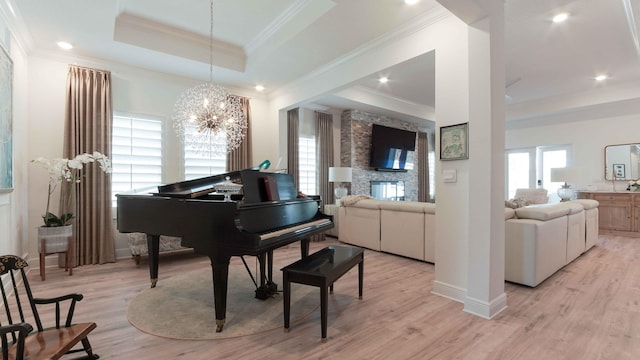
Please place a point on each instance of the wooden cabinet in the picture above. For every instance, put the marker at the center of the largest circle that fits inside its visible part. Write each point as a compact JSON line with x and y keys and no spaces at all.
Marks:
{"x":619,"y":213}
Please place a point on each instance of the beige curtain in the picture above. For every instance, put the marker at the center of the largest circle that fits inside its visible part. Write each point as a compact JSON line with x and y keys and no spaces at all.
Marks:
{"x":423,"y":167}
{"x":292,"y":144}
{"x":240,"y":158}
{"x":88,"y":121}
{"x":324,"y":151}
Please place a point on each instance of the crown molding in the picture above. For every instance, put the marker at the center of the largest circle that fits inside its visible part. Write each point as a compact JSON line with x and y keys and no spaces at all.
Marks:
{"x":16,"y":25}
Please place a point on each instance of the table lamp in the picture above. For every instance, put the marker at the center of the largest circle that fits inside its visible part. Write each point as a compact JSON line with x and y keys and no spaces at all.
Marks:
{"x":340,"y":175}
{"x":565,"y":192}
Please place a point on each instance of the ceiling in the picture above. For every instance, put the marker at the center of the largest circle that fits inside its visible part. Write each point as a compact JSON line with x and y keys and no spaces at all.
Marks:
{"x":275,"y":42}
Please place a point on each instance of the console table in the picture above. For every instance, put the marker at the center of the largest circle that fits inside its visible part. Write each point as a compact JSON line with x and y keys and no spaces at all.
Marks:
{"x":619,"y":212}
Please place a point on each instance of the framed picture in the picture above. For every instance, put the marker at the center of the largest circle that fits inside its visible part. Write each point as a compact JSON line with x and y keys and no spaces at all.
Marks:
{"x":6,"y":114}
{"x":618,"y":171}
{"x":454,"y":142}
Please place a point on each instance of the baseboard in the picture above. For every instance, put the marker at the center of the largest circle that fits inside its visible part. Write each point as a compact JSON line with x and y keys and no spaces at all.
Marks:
{"x":449,"y":291}
{"x":124,"y":253}
{"x":485,"y":309}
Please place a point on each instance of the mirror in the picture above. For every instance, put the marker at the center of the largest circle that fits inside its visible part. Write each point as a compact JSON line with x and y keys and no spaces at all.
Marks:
{"x":622,"y":162}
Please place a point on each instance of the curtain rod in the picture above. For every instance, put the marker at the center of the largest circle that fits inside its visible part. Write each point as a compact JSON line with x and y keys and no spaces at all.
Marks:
{"x":88,"y":68}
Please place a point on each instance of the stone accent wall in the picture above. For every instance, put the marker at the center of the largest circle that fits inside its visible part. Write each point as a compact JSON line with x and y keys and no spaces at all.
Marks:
{"x":355,"y":138}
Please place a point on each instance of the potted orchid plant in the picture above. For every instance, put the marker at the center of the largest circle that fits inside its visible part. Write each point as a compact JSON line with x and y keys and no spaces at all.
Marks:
{"x":67,"y":170}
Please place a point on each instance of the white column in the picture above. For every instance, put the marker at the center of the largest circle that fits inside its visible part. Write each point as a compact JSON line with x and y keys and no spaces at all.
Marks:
{"x":452,"y":198}
{"x":470,"y":212}
{"x":485,"y":272}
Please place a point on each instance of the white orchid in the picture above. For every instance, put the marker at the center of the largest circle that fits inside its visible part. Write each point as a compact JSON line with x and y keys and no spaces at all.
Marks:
{"x":70,"y":171}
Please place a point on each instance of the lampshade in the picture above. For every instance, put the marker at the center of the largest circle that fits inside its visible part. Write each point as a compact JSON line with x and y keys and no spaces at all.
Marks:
{"x":561,"y":174}
{"x":340,"y":174}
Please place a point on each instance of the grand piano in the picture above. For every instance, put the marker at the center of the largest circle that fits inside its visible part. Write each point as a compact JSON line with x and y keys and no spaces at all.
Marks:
{"x":267,"y":215}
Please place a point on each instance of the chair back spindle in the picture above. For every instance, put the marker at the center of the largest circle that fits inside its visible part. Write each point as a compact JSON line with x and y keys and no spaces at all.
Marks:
{"x":16,"y":336}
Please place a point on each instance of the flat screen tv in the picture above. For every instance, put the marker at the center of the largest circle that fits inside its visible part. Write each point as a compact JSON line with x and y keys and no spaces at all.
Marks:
{"x":392,"y":149}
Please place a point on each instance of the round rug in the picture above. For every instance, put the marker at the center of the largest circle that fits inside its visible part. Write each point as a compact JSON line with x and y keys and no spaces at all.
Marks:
{"x":182,"y":306}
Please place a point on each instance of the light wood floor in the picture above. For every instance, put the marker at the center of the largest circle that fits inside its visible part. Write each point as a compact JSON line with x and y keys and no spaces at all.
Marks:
{"x":588,"y":310}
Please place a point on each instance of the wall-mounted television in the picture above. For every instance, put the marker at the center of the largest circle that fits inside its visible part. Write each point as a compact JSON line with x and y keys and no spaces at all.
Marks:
{"x":392,"y":149}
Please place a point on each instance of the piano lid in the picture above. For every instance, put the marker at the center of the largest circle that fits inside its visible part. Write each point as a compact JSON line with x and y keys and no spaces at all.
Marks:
{"x":194,"y":188}
{"x":257,"y":186}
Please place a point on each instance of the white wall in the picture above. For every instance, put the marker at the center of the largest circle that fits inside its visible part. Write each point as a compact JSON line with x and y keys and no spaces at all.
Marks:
{"x":135,"y":91}
{"x":587,"y":139}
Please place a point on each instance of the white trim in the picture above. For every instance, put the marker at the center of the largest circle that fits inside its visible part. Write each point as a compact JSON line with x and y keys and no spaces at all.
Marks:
{"x":449,"y":291}
{"x":484,"y":309}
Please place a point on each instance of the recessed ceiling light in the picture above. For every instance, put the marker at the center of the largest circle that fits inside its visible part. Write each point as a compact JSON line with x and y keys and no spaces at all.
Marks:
{"x":601,"y":77}
{"x":259,"y":87}
{"x":560,"y":17}
{"x":383,"y":80}
{"x":65,"y":45}
{"x":411,"y":2}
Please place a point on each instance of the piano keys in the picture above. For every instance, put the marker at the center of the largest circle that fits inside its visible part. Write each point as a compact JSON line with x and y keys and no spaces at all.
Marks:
{"x":247,"y":225}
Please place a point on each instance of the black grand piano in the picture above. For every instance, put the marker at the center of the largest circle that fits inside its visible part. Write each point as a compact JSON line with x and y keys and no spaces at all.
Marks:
{"x":267,"y":215}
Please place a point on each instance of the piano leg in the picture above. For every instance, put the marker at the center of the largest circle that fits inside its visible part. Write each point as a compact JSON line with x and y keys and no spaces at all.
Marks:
{"x":153,"y":246}
{"x":267,"y":287}
{"x":270,"y":267}
{"x":220,"y":269}
{"x":304,"y":248}
{"x":261,"y":260}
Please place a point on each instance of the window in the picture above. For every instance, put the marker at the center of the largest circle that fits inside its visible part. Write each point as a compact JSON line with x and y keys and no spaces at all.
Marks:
{"x":531,"y":168}
{"x":521,"y":170}
{"x":548,"y":158}
{"x":199,"y":163}
{"x":307,"y":172}
{"x":136,"y":153}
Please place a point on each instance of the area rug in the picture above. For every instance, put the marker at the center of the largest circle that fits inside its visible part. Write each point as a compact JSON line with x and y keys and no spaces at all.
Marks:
{"x":182,"y":307}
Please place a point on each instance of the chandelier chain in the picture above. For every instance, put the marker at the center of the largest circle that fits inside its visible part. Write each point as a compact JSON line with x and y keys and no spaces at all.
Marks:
{"x":211,"y":44}
{"x":207,"y":118}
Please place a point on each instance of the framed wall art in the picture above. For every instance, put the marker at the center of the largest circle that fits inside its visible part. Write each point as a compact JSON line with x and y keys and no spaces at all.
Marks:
{"x":6,"y":127}
{"x":618,"y":171}
{"x":454,"y":142}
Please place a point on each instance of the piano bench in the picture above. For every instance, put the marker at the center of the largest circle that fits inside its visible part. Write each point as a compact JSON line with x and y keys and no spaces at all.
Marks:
{"x":321,"y":269}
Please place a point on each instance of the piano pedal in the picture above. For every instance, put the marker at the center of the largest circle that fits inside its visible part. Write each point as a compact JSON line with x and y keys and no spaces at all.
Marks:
{"x":266,"y":291}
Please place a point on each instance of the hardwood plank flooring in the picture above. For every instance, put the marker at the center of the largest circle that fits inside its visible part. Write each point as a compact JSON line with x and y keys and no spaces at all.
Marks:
{"x":590,"y":309}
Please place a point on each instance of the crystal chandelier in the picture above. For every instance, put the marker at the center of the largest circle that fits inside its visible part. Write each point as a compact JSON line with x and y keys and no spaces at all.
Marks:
{"x":206,"y":113}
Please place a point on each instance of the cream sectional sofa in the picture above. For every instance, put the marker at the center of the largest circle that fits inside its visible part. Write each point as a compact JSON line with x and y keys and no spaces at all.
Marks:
{"x":539,"y":239}
{"x":377,"y":224}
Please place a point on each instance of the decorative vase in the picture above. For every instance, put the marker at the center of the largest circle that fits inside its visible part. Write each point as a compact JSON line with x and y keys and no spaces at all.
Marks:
{"x":56,"y":238}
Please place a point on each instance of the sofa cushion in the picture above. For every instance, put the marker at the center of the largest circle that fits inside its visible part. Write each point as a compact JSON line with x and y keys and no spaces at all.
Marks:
{"x":587,"y":203}
{"x":535,"y":196}
{"x":541,"y":212}
{"x":353,"y":199}
{"x":406,"y":206}
{"x":365,"y":204}
{"x":509,"y":213}
{"x":574,"y":207}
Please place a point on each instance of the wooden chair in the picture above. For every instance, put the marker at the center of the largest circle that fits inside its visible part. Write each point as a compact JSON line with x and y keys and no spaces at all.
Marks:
{"x":19,"y":340}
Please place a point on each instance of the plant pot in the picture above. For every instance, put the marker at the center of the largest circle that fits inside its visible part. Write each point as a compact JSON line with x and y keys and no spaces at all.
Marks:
{"x":56,"y":238}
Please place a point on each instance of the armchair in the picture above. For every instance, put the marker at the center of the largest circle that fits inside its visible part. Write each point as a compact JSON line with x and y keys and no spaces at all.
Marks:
{"x":19,"y":340}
